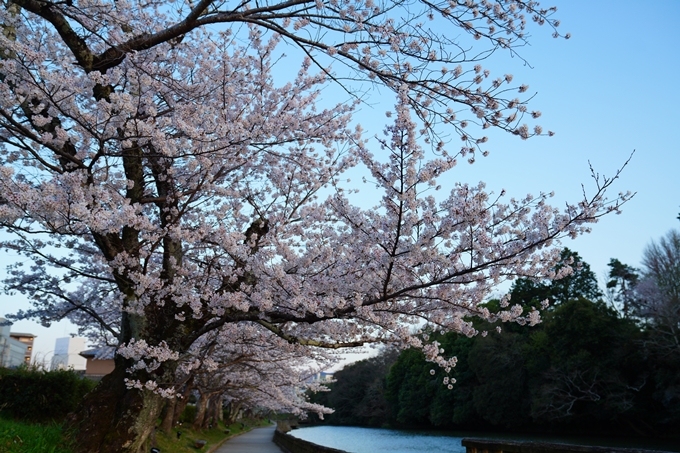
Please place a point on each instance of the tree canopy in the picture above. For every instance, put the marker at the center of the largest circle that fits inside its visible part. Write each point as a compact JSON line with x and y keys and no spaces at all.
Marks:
{"x":575,"y":280}
{"x":169,"y":195}
{"x":587,"y":367}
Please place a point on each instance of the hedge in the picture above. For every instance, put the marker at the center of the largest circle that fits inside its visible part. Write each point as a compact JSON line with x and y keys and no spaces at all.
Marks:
{"x":38,"y":395}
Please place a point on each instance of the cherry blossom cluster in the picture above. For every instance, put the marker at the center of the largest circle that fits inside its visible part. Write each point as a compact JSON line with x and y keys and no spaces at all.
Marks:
{"x":146,"y":356}
{"x":151,"y":386}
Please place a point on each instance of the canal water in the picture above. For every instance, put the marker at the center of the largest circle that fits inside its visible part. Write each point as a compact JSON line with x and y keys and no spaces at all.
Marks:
{"x":372,"y":440}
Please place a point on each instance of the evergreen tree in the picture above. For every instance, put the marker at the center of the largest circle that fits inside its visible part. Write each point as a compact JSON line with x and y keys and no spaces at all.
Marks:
{"x":581,"y":282}
{"x":622,"y":281}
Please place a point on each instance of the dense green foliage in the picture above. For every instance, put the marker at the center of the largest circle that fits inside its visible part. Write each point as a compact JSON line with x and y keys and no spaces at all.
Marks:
{"x":622,"y":279}
{"x":358,"y":393}
{"x":585,"y":367}
{"x":580,"y":283}
{"x":38,"y":395}
{"x":24,"y":437}
{"x":589,"y":366}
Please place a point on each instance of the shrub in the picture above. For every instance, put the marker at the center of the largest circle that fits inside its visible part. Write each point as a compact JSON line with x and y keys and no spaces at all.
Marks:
{"x":38,"y":395}
{"x":188,"y":415}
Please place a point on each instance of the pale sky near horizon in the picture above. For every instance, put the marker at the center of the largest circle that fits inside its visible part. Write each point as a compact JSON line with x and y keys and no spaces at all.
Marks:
{"x":610,"y":89}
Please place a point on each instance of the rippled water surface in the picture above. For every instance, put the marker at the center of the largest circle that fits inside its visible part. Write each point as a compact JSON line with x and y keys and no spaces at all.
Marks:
{"x":369,"y":440}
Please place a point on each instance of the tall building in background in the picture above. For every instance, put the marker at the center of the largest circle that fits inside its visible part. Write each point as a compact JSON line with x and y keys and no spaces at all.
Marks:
{"x":67,"y":354}
{"x":15,"y":348}
{"x":27,"y":339}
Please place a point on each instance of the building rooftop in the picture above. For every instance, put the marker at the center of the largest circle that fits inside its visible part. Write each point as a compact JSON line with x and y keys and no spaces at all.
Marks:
{"x":103,"y":353}
{"x":21,"y":334}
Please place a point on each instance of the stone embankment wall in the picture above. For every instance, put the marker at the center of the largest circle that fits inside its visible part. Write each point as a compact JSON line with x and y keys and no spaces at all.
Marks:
{"x":506,"y":446}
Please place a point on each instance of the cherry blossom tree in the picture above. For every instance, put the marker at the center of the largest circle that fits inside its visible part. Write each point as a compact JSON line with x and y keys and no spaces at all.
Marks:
{"x":657,"y":295}
{"x":165,"y":190}
{"x":249,"y":368}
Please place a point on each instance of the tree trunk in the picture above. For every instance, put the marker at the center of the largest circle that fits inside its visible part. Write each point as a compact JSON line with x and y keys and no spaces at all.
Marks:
{"x":232,"y":412}
{"x":176,"y":406}
{"x":168,"y":416}
{"x":201,"y":406}
{"x":219,"y":410}
{"x":208,"y":415}
{"x":214,"y":404}
{"x":181,"y":403}
{"x":115,"y":419}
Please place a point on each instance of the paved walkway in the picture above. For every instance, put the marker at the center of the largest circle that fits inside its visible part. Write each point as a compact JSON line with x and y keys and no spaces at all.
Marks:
{"x":256,"y":441}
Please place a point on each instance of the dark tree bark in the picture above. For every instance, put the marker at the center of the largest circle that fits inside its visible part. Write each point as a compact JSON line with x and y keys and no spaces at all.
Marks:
{"x":232,"y":409}
{"x":213,"y":411}
{"x":201,"y":406}
{"x":219,"y":412}
{"x":130,"y":414}
{"x":167,"y":416}
{"x":175,"y":407}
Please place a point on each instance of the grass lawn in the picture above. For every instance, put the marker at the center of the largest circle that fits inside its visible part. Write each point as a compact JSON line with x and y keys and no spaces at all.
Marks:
{"x":215,"y":436}
{"x":23,"y":437}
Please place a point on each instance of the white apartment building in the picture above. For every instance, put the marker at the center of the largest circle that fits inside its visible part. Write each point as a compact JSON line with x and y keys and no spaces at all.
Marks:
{"x":12,"y":351}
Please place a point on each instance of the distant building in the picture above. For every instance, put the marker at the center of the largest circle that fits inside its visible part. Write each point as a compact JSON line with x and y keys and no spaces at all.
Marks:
{"x":15,"y":348}
{"x":67,"y":354}
{"x":27,"y":339}
{"x":99,"y":361}
{"x":320,"y":377}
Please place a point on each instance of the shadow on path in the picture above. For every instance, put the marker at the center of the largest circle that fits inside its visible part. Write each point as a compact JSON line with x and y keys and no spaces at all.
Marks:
{"x":258,"y":440}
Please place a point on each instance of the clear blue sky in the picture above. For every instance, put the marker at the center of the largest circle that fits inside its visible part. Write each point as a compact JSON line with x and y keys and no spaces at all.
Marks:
{"x":611,"y":89}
